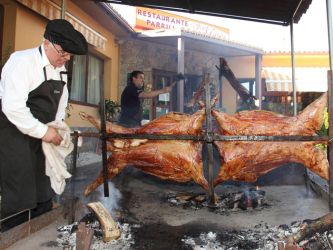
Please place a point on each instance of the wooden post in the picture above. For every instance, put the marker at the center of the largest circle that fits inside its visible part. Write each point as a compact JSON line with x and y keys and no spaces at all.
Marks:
{"x":84,"y":236}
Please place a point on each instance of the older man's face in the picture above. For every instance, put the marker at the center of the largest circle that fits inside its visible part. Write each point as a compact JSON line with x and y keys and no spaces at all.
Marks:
{"x":56,"y":55}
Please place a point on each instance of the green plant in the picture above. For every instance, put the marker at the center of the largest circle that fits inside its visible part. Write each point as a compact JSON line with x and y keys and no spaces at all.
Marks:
{"x":69,"y":108}
{"x":323,"y":130}
{"x":112,"y":109}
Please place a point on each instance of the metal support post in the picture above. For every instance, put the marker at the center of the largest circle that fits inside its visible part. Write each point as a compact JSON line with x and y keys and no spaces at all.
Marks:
{"x":104,"y":138}
{"x":209,"y":142}
{"x":72,"y":199}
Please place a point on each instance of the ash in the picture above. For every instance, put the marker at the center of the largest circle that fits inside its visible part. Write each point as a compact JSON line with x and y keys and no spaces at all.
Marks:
{"x":231,"y":202}
{"x":261,"y":237}
{"x":67,"y":235}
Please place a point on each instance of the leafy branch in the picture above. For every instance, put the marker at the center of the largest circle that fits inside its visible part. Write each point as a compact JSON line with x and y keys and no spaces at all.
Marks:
{"x":112,"y":109}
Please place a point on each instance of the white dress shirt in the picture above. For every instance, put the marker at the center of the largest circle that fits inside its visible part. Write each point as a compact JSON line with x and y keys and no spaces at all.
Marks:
{"x":23,"y":73}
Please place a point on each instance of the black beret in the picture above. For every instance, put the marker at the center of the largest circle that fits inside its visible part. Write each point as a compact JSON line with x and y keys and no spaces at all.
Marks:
{"x":62,"y":32}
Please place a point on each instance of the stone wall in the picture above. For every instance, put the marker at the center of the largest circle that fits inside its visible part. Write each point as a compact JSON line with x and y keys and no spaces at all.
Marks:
{"x":146,"y":56}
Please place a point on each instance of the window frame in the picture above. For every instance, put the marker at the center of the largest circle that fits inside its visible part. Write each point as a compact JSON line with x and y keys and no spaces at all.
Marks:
{"x":70,"y":75}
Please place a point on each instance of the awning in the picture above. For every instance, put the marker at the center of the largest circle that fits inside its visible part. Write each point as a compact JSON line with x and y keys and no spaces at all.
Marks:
{"x":277,"y":81}
{"x":309,"y":79}
{"x":267,"y":11}
{"x":51,"y":11}
{"x":197,"y":42}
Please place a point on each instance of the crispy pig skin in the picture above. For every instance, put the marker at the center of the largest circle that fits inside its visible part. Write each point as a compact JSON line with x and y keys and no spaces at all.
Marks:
{"x":177,"y":160}
{"x":261,"y":122}
{"x":246,"y":161}
{"x":168,"y":160}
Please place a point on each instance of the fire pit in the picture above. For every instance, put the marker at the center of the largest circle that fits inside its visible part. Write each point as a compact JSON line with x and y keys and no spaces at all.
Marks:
{"x":148,"y":219}
{"x":250,"y":198}
{"x":67,"y":235}
{"x":260,"y":237}
{"x":154,"y":214}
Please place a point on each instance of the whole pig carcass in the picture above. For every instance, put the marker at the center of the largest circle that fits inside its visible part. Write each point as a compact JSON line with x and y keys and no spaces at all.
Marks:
{"x":177,"y":160}
{"x":246,"y":161}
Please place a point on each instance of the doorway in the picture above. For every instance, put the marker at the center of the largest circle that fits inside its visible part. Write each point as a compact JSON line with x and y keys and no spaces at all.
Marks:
{"x":167,"y":102}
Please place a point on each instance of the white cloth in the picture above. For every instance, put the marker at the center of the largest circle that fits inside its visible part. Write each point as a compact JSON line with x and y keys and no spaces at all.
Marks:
{"x":55,"y":166}
{"x":22,"y":73}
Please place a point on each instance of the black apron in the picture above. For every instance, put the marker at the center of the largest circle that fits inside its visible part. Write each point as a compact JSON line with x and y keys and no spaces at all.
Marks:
{"x":22,"y":161}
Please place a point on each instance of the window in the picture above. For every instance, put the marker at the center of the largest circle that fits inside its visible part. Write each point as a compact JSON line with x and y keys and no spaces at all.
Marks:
{"x":87,"y":77}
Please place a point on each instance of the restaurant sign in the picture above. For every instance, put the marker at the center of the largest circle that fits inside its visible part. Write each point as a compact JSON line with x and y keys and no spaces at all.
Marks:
{"x":152,"y":19}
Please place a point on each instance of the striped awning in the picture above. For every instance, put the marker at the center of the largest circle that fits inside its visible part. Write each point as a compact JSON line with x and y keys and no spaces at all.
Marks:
{"x":309,"y":79}
{"x":276,"y":81}
{"x":50,"y":10}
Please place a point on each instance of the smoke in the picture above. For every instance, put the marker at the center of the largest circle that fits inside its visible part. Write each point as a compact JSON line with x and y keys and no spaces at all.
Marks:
{"x":111,"y":203}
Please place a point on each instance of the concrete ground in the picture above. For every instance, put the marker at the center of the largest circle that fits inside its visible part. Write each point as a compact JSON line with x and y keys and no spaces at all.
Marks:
{"x":139,"y":199}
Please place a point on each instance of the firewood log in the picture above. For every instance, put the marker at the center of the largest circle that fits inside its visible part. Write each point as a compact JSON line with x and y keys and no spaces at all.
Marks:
{"x":84,"y":236}
{"x":109,"y":226}
{"x":309,"y":228}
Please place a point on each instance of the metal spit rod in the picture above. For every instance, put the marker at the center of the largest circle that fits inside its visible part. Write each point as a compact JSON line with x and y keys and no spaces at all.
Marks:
{"x":214,"y":137}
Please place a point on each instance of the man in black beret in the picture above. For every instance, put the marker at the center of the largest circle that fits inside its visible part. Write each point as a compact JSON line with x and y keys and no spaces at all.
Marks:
{"x":33,"y":92}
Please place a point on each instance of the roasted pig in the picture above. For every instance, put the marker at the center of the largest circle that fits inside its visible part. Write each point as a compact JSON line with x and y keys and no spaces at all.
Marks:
{"x":260,"y":122}
{"x":178,"y":160}
{"x":246,"y":161}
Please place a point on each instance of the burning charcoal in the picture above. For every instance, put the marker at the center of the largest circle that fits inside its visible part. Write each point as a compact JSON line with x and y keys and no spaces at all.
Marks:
{"x":284,"y":227}
{"x":200,"y":198}
{"x":314,"y":244}
{"x":247,"y":245}
{"x":261,"y":192}
{"x":227,"y":201}
{"x":238,"y":196}
{"x":98,"y":234}
{"x":89,"y":218}
{"x":243,"y":203}
{"x":211,"y":236}
{"x":67,"y":247}
{"x":185,"y":196}
{"x":74,"y":228}
{"x":252,"y":199}
{"x":67,"y":228}
{"x":295,"y":223}
{"x":269,"y":246}
{"x":173,"y":202}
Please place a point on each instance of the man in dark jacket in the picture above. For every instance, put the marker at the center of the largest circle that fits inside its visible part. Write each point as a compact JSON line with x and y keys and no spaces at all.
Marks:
{"x":33,"y":92}
{"x":132,"y":96}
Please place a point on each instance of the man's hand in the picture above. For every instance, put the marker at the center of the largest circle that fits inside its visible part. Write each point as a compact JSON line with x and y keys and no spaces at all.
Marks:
{"x":52,"y":136}
{"x":169,"y":88}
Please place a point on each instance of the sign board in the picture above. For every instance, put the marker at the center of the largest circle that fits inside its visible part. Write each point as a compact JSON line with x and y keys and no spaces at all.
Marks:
{"x":152,"y":19}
